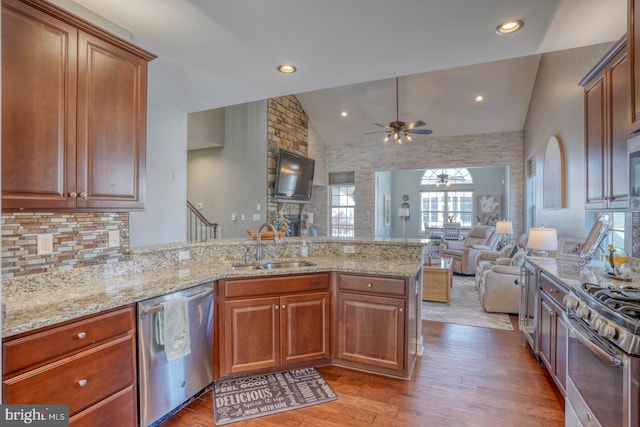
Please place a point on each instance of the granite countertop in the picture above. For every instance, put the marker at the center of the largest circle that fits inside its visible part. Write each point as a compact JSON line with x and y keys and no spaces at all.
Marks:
{"x":45,"y":299}
{"x":570,"y":273}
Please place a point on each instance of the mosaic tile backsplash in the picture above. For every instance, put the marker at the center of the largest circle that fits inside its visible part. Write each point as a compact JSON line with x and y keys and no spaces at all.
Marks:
{"x":79,"y":239}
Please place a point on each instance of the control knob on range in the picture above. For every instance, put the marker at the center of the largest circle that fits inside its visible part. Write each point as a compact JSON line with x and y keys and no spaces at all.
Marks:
{"x":607,"y":330}
{"x":570,"y":302}
{"x":596,"y":323}
{"x":584,"y":312}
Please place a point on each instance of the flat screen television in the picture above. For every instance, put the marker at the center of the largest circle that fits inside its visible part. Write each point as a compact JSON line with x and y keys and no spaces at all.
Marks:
{"x":294,"y":176}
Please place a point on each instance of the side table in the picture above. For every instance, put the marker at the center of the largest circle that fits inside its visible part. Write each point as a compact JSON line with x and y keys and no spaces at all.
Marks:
{"x":437,"y":279}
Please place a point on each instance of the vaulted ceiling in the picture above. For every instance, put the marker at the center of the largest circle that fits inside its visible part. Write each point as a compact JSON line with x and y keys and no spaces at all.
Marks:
{"x":216,"y":53}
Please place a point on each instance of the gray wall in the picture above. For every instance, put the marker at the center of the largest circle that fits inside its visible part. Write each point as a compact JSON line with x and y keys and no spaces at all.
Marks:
{"x":557,"y":108}
{"x":164,"y":217}
{"x":231,"y":179}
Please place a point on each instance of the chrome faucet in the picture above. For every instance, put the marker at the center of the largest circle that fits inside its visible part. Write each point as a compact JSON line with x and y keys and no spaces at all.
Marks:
{"x":259,"y":239}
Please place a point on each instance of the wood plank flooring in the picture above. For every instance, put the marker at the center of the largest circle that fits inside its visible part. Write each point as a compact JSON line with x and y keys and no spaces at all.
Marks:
{"x":468,"y":376}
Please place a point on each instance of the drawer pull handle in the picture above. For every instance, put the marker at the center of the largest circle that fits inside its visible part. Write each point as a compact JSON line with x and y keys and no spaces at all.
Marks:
{"x":369,"y":285}
{"x":82,"y":382}
{"x":81,"y":335}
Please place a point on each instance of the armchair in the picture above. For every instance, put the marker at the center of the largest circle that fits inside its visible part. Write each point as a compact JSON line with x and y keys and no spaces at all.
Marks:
{"x":465,"y":254}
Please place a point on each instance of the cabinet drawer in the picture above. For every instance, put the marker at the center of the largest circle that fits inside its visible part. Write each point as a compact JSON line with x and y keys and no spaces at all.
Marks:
{"x":378,"y":285}
{"x":275,"y":285}
{"x":40,"y":347}
{"x":117,"y":410}
{"x":556,"y":292}
{"x":104,"y":370}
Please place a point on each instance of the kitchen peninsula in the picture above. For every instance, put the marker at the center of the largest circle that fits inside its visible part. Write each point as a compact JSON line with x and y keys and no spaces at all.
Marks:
{"x":375,"y":278}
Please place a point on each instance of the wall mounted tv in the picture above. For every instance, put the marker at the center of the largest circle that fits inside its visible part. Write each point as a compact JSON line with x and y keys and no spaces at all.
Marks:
{"x":294,"y":176}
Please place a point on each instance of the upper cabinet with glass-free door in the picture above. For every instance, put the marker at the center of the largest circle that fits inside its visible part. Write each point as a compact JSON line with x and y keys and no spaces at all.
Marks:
{"x":73,"y":112}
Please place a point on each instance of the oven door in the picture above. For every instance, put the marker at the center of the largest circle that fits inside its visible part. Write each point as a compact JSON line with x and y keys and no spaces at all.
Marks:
{"x":599,"y":391}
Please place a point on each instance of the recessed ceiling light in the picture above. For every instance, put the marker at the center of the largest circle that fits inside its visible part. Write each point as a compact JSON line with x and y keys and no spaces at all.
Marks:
{"x":287,"y":68}
{"x":479,"y":98}
{"x":509,"y":27}
{"x":344,"y":114}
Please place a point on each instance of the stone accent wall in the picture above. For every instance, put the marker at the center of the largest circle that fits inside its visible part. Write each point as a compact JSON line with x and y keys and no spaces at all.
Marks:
{"x":79,"y":239}
{"x":494,"y":149}
{"x":287,"y":128}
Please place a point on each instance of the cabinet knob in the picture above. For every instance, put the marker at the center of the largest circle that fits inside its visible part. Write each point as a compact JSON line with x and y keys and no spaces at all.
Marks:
{"x":284,"y":306}
{"x":276,"y":306}
{"x":81,"y":335}
{"x":401,"y":310}
{"x":73,"y":194}
{"x":83,"y":195}
{"x":82,"y":382}
{"x":369,"y":285}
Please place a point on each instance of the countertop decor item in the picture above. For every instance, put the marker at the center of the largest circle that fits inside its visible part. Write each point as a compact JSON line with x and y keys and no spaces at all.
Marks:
{"x":265,"y":235}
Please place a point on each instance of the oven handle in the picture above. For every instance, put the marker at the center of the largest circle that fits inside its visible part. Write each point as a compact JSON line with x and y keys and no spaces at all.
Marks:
{"x":609,"y":357}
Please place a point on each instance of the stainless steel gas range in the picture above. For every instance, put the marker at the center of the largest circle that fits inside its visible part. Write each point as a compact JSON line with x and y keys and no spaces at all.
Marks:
{"x":603,"y":365}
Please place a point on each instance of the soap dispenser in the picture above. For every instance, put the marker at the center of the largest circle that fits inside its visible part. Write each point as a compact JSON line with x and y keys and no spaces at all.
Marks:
{"x":304,"y":249}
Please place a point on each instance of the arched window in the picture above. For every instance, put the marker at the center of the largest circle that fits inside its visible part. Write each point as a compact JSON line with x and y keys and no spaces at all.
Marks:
{"x":449,"y":176}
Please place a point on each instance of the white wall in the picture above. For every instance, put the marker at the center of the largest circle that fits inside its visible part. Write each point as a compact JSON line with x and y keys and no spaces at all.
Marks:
{"x":232,"y":179}
{"x":164,"y":219}
{"x":557,"y":108}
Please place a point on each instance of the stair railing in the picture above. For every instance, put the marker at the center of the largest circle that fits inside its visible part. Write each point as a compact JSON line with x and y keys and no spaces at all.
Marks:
{"x":198,"y":226}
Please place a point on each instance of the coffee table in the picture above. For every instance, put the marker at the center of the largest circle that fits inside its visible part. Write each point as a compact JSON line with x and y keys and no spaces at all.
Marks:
{"x":437,"y":279}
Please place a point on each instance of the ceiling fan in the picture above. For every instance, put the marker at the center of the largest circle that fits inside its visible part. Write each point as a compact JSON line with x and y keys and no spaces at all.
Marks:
{"x":445,"y":179}
{"x":399,"y":130}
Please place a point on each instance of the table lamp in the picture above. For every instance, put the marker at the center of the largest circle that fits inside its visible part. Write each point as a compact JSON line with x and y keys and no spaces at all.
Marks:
{"x":404,"y":214}
{"x":542,"y":240}
{"x":504,"y":228}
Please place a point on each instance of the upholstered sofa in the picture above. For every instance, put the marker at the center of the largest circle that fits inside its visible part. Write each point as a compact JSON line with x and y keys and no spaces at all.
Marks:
{"x":497,"y":275}
{"x":465,"y":253}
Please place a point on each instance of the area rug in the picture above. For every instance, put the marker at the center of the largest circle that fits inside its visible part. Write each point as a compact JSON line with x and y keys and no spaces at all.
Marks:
{"x":246,"y":398}
{"x":465,"y":308}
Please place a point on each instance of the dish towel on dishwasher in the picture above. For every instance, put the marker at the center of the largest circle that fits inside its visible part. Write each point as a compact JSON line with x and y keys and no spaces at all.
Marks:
{"x":172,"y":328}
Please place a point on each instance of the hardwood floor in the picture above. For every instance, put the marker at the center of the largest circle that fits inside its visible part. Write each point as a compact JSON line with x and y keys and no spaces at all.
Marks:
{"x":468,"y":376}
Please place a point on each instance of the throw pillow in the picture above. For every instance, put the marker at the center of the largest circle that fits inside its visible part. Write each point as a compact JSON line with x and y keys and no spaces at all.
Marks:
{"x":513,"y":251}
{"x":508,"y":251}
{"x":518,"y":259}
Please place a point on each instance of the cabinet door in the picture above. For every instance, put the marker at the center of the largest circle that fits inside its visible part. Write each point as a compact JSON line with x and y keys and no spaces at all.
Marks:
{"x":371,"y":330}
{"x":251,"y":337}
{"x":546,"y":332}
{"x":38,"y":109}
{"x":304,"y":327}
{"x":595,"y":112}
{"x":634,"y":50}
{"x":561,"y":344}
{"x":111,"y":125}
{"x":620,"y":121}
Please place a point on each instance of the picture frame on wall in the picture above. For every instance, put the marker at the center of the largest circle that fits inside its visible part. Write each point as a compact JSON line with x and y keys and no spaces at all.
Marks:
{"x":569,"y":248}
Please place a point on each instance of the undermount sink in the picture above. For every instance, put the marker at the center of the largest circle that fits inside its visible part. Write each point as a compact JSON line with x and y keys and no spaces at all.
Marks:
{"x":287,"y":264}
{"x":271,"y":265}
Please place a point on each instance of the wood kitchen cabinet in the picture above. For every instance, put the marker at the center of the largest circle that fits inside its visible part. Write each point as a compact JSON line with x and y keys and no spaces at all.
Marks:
{"x":88,"y":364}
{"x":377,"y":324}
{"x":608,"y":117}
{"x":73,"y":112}
{"x":634,"y":61}
{"x":553,"y":330}
{"x":269,"y":323}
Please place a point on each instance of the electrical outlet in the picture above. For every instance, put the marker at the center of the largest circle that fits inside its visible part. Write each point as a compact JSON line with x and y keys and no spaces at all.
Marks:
{"x":349,"y":249}
{"x":184,"y":255}
{"x":44,"y":244}
{"x":256,"y":217}
{"x":114,"y":238}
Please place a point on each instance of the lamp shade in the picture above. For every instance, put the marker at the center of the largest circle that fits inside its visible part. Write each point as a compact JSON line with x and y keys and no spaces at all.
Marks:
{"x":403,"y":212}
{"x":504,"y":227}
{"x":543,"y":239}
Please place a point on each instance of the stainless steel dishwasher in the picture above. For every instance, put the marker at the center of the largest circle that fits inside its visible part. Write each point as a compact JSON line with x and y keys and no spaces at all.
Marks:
{"x":165,"y":385}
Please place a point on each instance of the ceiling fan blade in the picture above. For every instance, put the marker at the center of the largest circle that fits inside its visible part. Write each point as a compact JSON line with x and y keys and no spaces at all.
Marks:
{"x":383,"y":126}
{"x":415,"y":124}
{"x":369,"y":133}
{"x":420,"y":131}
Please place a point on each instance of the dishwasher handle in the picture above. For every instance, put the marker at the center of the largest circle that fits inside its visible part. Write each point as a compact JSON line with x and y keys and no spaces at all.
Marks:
{"x":158,"y":307}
